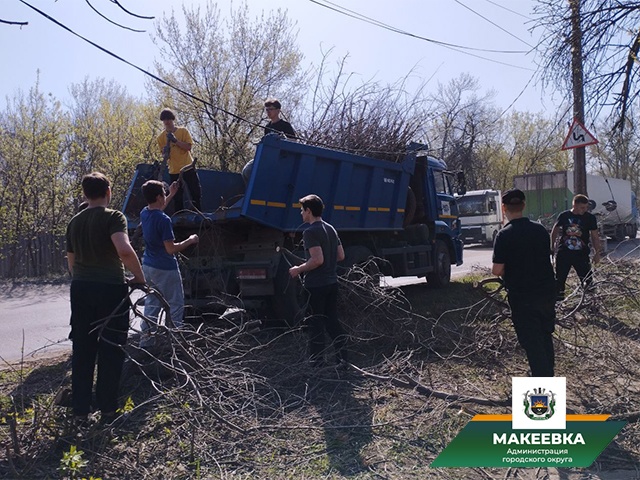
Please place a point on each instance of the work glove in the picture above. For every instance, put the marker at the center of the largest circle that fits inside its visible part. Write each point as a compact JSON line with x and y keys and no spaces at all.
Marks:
{"x":171,"y":137}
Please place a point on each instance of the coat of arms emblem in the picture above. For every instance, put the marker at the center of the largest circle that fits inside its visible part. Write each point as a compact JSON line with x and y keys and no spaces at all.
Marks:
{"x":539,"y":404}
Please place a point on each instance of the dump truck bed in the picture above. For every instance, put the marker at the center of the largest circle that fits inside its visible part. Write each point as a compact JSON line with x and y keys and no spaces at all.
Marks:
{"x":360,"y":193}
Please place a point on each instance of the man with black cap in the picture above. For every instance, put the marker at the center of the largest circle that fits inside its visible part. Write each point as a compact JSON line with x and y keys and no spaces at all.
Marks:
{"x":522,"y":257}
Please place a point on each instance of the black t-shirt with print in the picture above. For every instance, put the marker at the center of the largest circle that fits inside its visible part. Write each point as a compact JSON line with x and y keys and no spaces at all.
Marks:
{"x":575,"y":231}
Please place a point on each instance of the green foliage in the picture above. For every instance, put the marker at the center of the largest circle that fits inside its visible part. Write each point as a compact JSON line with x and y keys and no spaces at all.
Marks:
{"x":234,"y":65}
{"x":110,"y":132}
{"x":72,"y":462}
{"x":128,"y":406}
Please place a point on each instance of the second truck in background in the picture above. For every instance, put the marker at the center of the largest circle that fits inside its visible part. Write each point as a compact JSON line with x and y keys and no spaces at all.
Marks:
{"x":614,"y":203}
{"x":480,"y":215}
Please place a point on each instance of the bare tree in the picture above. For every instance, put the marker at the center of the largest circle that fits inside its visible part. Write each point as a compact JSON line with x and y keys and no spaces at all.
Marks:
{"x":367,"y":118}
{"x":610,"y":44}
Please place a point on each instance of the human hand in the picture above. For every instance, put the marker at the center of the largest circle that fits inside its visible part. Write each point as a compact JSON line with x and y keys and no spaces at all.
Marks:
{"x":137,"y":283}
{"x":193,"y":239}
{"x":173,"y":188}
{"x":294,"y":271}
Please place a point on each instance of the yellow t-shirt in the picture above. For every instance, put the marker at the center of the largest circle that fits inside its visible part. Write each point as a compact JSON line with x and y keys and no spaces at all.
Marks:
{"x":178,"y":157}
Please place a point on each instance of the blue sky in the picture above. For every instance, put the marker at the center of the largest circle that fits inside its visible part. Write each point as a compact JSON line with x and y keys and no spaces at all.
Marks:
{"x":374,"y":53}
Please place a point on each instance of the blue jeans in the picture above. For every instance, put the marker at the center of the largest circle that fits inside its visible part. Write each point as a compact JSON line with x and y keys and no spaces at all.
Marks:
{"x":169,"y":284}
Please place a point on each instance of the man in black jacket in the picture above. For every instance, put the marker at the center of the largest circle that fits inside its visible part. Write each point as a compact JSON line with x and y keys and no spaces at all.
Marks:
{"x":521,"y":256}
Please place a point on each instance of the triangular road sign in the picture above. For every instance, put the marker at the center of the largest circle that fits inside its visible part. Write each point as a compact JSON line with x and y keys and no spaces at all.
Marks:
{"x":578,"y":136}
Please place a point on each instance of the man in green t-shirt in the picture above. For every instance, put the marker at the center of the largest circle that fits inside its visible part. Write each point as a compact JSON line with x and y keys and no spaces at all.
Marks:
{"x":98,"y":250}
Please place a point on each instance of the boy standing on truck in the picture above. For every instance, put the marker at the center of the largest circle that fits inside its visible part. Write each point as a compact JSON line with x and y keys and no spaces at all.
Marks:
{"x":577,"y":231}
{"x":158,"y":261}
{"x":522,"y":257}
{"x":323,"y":251}
{"x":98,"y":250}
{"x":276,"y":125}
{"x":175,"y":144}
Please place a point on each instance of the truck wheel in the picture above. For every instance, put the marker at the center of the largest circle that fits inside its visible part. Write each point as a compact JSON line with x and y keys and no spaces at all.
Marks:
{"x":442,"y":274}
{"x":619,"y":232}
{"x":634,"y":231}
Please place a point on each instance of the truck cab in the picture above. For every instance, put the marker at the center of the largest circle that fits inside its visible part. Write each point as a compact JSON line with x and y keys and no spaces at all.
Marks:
{"x":480,"y":215}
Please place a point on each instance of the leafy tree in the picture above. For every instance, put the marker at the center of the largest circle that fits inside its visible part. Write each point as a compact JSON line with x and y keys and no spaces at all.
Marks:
{"x":34,"y":190}
{"x":618,"y":153}
{"x":233,"y":66}
{"x":523,"y":143}
{"x":110,"y":132}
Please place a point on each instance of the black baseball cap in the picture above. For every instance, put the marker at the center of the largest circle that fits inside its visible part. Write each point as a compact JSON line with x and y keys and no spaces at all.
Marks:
{"x":513,"y":197}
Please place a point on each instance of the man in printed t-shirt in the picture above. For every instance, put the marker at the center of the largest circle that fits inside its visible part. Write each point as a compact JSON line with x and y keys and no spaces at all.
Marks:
{"x":572,"y":237}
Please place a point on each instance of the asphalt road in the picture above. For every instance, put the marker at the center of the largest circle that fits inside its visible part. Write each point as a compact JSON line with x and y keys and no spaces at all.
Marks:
{"x":34,"y":319}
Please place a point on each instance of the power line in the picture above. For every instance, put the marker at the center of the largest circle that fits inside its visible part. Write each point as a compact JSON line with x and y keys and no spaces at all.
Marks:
{"x":190,"y":95}
{"x":458,"y":49}
{"x":508,"y":9}
{"x":111,"y":21}
{"x":363,"y":18}
{"x":493,"y":23}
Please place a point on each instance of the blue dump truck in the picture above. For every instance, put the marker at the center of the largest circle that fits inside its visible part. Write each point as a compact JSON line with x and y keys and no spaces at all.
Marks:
{"x":403,"y":215}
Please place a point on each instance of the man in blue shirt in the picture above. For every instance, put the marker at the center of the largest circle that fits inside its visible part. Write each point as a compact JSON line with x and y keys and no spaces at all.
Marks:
{"x":158,"y":261}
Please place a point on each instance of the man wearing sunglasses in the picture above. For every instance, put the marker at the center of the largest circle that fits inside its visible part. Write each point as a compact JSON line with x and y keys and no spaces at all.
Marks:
{"x":276,"y":124}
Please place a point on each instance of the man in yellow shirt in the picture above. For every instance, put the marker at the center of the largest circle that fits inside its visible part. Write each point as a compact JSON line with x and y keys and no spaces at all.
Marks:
{"x":177,"y":142}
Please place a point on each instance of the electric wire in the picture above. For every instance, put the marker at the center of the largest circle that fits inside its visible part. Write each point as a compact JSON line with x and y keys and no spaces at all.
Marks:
{"x":131,"y":13}
{"x":192,"y":96}
{"x":493,"y":23}
{"x":459,"y":49}
{"x":358,"y":16}
{"x":111,"y":21}
{"x":507,"y":9}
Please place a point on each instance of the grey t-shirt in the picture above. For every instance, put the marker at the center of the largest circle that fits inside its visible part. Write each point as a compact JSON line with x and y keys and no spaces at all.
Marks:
{"x":321,"y":234}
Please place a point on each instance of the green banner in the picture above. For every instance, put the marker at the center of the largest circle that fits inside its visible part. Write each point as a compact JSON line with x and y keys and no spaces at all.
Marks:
{"x":495,"y":444}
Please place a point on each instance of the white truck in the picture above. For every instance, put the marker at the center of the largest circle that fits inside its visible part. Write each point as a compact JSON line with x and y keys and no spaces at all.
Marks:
{"x":613,"y":201}
{"x":480,"y":215}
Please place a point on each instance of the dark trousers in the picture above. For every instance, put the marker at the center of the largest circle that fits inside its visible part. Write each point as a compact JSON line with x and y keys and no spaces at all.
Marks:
{"x":534,"y":318}
{"x":191,"y":179}
{"x":323,"y":308}
{"x":578,"y":260}
{"x":99,"y":326}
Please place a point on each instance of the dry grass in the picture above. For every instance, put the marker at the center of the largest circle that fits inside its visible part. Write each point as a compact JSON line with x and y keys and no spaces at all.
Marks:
{"x":233,"y":401}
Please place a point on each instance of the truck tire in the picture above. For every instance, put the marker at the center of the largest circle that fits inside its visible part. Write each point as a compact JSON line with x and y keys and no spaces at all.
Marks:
{"x":619,"y":233}
{"x":634,"y":231}
{"x":441,"y":276}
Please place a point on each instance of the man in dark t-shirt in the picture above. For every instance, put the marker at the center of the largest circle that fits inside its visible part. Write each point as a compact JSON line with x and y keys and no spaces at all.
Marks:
{"x":521,"y":256}
{"x":98,"y":250}
{"x":276,"y":125}
{"x":572,"y":236}
{"x":323,"y":251}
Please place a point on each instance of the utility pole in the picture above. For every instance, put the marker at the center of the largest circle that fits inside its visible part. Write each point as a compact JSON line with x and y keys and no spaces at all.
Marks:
{"x":579,"y":153}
